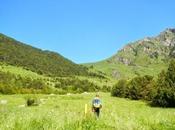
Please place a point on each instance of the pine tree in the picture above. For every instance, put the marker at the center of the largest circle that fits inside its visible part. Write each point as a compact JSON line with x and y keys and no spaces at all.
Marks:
{"x":165,"y":96}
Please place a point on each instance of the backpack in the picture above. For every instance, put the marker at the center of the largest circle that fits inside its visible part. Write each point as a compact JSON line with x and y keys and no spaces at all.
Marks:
{"x":96,"y":103}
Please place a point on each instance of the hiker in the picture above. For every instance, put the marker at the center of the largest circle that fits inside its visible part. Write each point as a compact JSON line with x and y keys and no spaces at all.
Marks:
{"x":96,"y":105}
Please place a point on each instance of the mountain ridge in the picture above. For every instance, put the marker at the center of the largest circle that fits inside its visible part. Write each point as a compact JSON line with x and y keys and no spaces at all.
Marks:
{"x":46,"y":62}
{"x":140,"y":56}
{"x":135,"y":58}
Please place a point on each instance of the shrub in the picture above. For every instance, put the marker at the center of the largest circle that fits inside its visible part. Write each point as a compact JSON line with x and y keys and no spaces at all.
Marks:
{"x":164,"y":98}
{"x":137,"y":88}
{"x":120,"y":89}
{"x":140,"y":88}
{"x":32,"y":101}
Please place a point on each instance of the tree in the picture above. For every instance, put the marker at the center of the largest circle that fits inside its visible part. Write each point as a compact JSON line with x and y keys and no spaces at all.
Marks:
{"x":120,"y":89}
{"x":140,"y":87}
{"x":165,"y":95}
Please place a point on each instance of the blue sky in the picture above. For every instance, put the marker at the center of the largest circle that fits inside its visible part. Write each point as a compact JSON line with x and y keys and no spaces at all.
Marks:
{"x":84,"y":30}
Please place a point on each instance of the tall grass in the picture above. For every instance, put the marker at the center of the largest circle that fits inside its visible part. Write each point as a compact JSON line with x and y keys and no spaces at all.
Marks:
{"x":67,"y":113}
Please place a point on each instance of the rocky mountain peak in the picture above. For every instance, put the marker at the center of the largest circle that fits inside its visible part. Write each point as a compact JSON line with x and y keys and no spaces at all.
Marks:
{"x":170,"y":30}
{"x":147,"y":50}
{"x":167,"y":37}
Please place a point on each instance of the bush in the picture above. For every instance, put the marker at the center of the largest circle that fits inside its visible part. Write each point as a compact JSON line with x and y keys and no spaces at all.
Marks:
{"x":120,"y":89}
{"x":140,"y":88}
{"x":164,"y":98}
{"x":32,"y":101}
{"x":137,"y":88}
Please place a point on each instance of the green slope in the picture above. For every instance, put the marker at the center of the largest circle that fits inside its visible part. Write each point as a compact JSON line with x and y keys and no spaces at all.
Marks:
{"x":15,"y":79}
{"x":43,"y":62}
{"x":19,"y":71}
{"x":147,"y":56}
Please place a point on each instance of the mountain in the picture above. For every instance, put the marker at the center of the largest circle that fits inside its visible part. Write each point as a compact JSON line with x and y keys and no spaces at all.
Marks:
{"x":48,"y":63}
{"x":147,"y":56}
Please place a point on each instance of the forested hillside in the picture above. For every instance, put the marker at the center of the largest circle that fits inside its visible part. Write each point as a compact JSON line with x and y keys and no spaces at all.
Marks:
{"x":47,"y":63}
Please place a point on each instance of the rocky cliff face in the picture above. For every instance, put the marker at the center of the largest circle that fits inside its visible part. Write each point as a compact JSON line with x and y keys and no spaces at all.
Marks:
{"x":150,"y":49}
{"x":148,"y":56}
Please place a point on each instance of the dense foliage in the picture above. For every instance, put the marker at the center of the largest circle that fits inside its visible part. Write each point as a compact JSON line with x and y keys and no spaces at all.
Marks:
{"x":76,"y":85}
{"x":166,"y":87}
{"x":13,"y":84}
{"x":137,"y":88}
{"x":120,"y":89}
{"x":160,"y":92}
{"x":43,"y":62}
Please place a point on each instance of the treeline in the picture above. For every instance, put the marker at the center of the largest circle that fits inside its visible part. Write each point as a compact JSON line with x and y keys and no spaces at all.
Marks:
{"x":42,"y":62}
{"x":14,"y":84}
{"x":160,"y":91}
{"x":75,"y":85}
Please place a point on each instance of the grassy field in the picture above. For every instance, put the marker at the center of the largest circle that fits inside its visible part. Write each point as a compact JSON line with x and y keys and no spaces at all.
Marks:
{"x":66,"y":112}
{"x":125,"y":71}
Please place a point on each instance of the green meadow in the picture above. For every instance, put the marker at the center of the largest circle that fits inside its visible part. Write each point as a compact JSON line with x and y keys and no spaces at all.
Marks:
{"x":127,"y":72}
{"x":66,"y":112}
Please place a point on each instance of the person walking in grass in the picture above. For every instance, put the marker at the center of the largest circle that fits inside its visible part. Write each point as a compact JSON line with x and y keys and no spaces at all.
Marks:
{"x":96,"y":105}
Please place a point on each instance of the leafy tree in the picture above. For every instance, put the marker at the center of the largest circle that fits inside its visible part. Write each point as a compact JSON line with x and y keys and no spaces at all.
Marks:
{"x":165,"y":95}
{"x":137,"y":88}
{"x":120,"y":89}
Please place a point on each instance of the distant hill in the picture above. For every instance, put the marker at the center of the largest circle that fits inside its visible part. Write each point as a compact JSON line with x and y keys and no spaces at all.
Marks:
{"x":48,"y":63}
{"x":147,"y":56}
